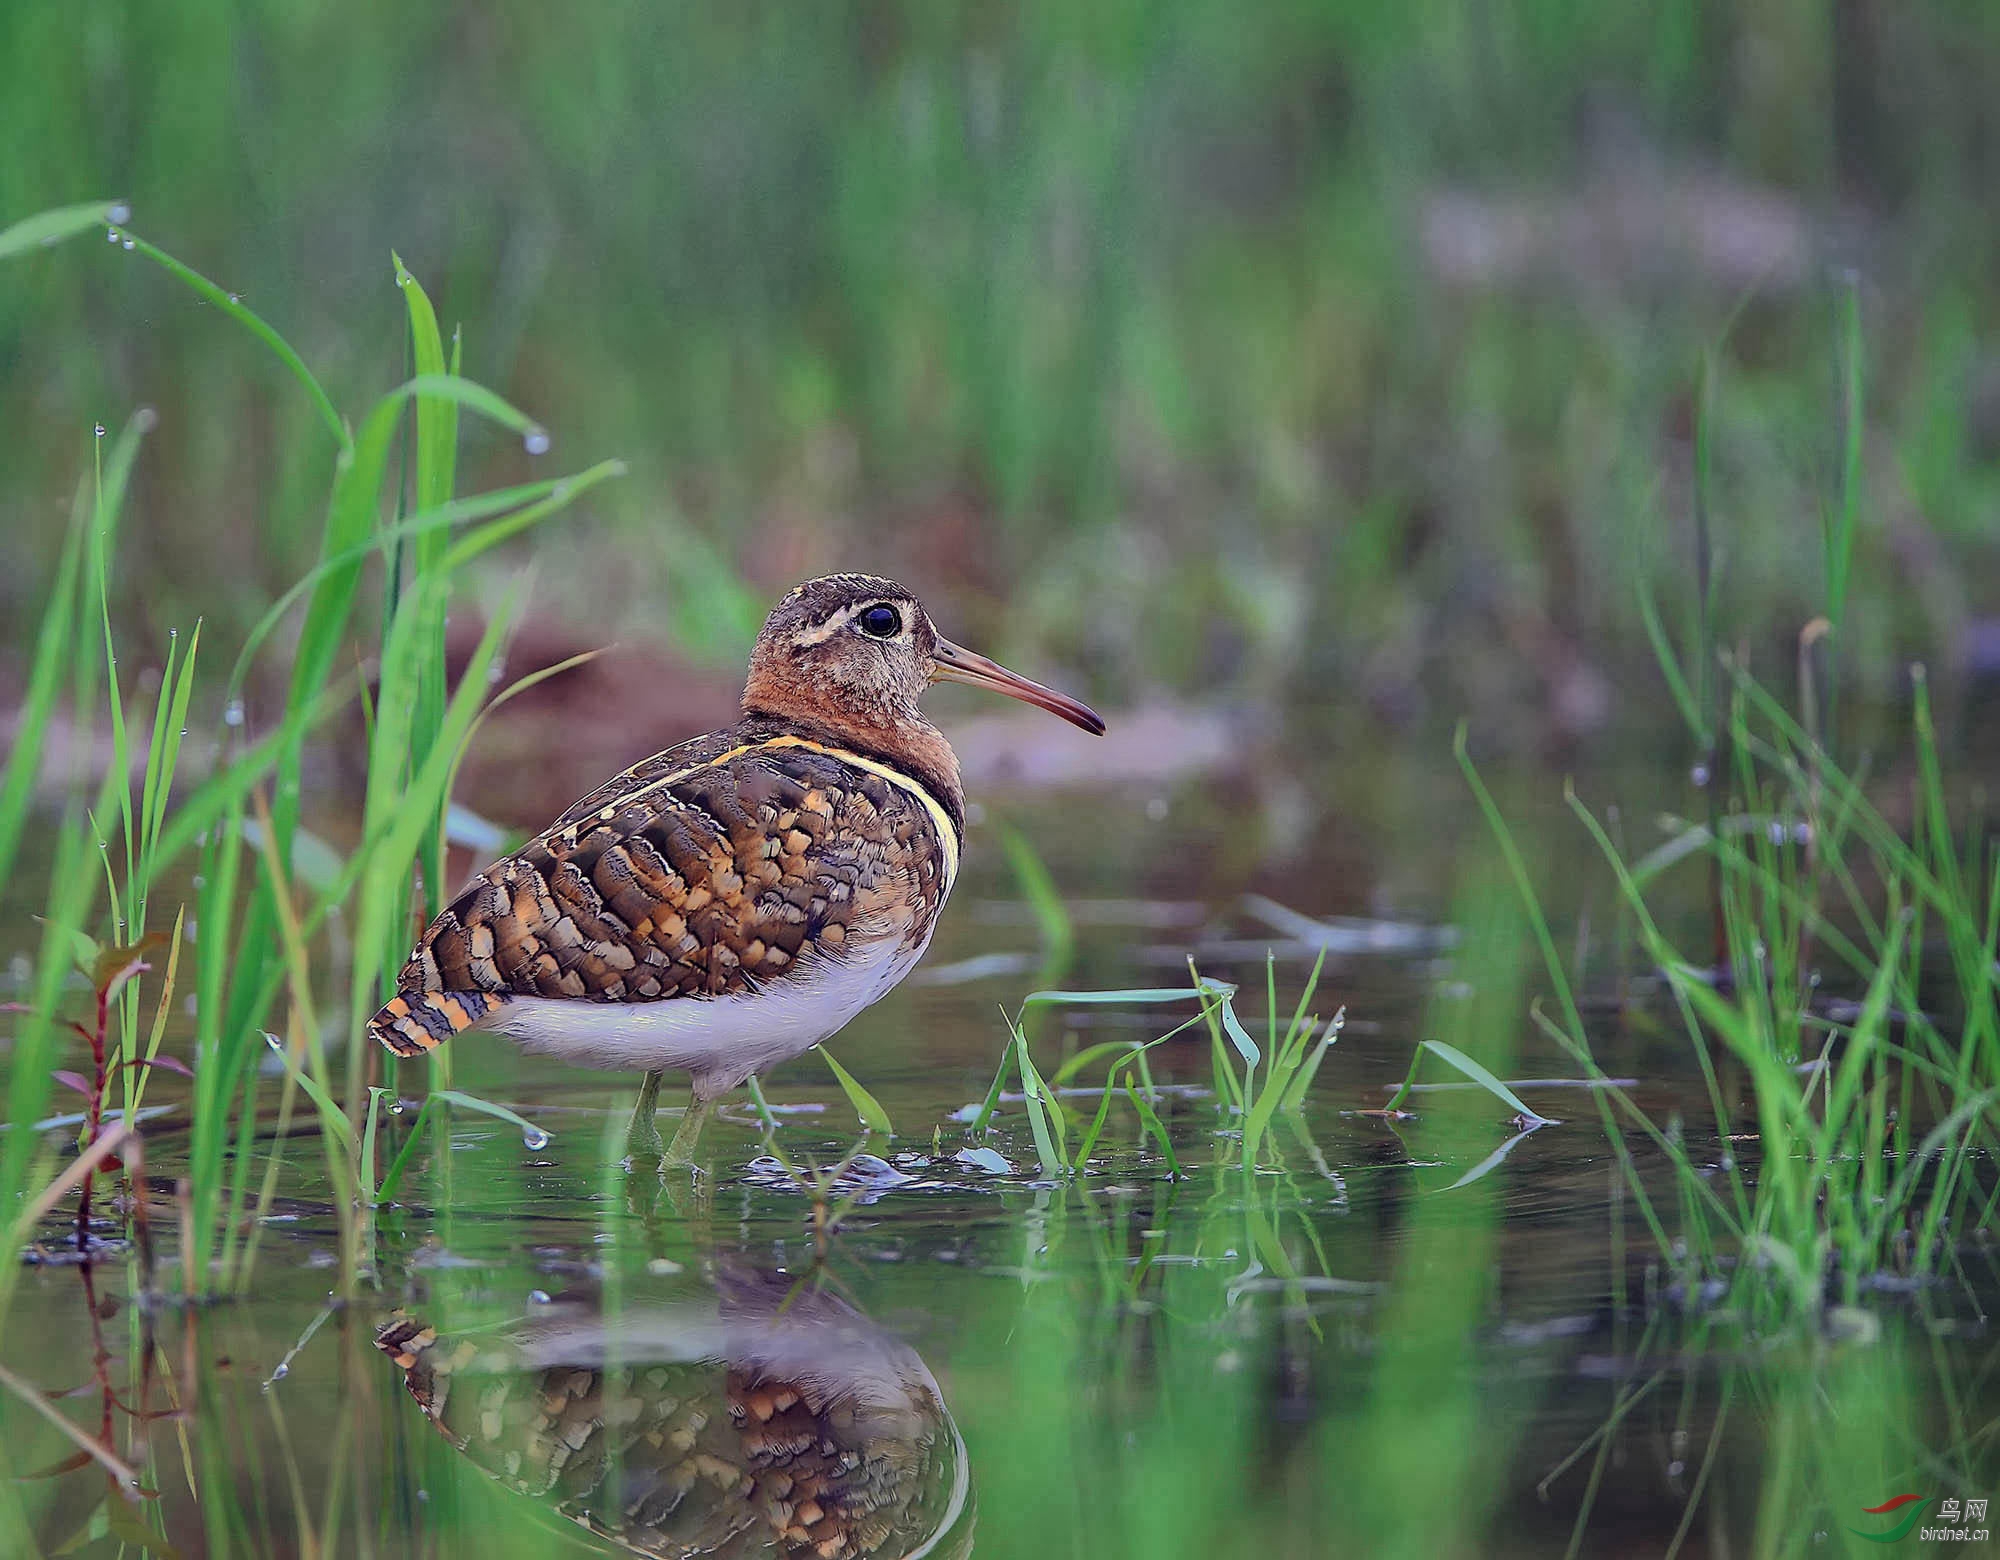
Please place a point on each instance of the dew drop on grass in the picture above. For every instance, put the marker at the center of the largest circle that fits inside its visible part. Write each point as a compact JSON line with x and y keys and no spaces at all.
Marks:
{"x":280,"y":1372}
{"x":233,"y":715}
{"x":145,"y":419}
{"x":273,"y":1041}
{"x":111,"y":235}
{"x":538,"y":1297}
{"x":535,"y":441}
{"x":131,"y":243}
{"x":535,"y":1137}
{"x":100,"y":430}
{"x":120,"y":213}
{"x":236,"y":297}
{"x":396,"y":1108}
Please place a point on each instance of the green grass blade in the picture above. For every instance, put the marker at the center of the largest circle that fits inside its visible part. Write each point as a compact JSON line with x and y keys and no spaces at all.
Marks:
{"x":437,"y":416}
{"x":1479,"y":1075}
{"x":534,"y":1136}
{"x":1052,"y":918}
{"x":1238,"y":1035}
{"x":1154,"y":1127}
{"x":331,"y":1117}
{"x":866,"y":1106}
{"x":1136,"y":996}
{"x":46,"y":228}
{"x":52,"y":652}
{"x":564,"y":493}
{"x":232,"y":306}
{"x":1041,"y":1107}
{"x":480,"y":506}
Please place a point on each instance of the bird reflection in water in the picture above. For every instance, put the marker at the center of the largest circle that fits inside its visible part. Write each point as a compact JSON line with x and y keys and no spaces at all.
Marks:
{"x":760,"y":1417}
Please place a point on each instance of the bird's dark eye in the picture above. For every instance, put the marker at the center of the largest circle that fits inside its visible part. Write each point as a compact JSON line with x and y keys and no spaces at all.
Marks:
{"x":881,"y":621}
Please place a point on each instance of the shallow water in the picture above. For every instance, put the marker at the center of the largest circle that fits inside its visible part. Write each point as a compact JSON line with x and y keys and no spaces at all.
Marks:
{"x":1370,"y":1348}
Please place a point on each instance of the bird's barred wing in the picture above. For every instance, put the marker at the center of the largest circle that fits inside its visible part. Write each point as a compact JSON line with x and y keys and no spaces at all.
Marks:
{"x":698,"y":880}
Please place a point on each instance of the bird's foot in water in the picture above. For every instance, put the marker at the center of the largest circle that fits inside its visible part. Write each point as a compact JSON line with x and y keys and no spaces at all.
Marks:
{"x":643,"y":1148}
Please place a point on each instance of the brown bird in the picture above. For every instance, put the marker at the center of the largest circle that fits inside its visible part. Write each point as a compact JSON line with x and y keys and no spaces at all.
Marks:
{"x":764,"y":1417}
{"x":733,"y":901}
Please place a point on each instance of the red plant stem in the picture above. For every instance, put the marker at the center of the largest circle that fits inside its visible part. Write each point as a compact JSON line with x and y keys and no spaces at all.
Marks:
{"x":93,"y":1116}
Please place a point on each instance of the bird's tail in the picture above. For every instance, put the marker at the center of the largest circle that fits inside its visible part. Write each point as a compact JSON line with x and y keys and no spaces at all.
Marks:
{"x":413,"y":1022}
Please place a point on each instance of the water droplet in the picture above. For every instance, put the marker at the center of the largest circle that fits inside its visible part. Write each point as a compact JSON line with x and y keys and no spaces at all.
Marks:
{"x":100,"y":430}
{"x":535,"y":441}
{"x":281,"y":1372}
{"x":131,"y":243}
{"x":1699,"y":774}
{"x":273,"y":1041}
{"x":111,"y":235}
{"x":535,"y":1137}
{"x":120,"y":212}
{"x":560,"y":492}
{"x":145,"y":419}
{"x":538,"y":1297}
{"x":236,"y":297}
{"x":396,"y":1109}
{"x":233,"y":716}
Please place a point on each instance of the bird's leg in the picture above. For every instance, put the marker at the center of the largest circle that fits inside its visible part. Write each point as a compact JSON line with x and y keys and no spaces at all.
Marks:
{"x":642,"y":1138}
{"x":681,"y":1150}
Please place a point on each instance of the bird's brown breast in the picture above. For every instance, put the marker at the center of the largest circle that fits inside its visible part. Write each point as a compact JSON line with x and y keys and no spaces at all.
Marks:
{"x":706,"y":870}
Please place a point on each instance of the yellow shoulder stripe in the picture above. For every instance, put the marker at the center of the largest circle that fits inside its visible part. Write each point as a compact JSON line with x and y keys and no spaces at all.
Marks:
{"x":940,"y":819}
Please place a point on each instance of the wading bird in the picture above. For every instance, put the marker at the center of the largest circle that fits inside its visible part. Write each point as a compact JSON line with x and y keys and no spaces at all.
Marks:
{"x":733,"y":901}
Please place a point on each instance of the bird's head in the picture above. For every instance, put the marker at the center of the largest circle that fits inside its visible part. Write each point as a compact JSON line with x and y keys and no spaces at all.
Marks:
{"x":853,"y":654}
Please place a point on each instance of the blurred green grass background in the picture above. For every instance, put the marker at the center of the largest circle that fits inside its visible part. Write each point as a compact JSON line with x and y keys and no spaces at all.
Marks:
{"x":1311,"y":353}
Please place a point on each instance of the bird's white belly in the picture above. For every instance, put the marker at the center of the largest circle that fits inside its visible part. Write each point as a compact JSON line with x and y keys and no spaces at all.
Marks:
{"x":720,"y":1040}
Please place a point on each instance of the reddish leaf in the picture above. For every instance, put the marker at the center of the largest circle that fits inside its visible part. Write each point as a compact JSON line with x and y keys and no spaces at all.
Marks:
{"x":76,"y":1081}
{"x":114,"y":982}
{"x":69,"y":1464}
{"x":173,"y":1064}
{"x":115,"y":966}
